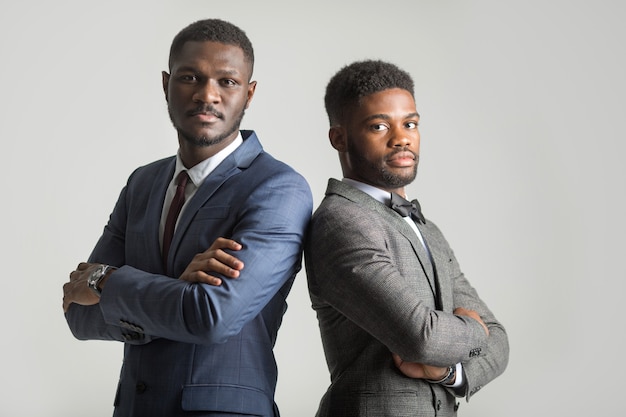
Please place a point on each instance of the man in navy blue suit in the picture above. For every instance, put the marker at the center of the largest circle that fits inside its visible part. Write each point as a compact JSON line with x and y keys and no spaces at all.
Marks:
{"x":198,"y":312}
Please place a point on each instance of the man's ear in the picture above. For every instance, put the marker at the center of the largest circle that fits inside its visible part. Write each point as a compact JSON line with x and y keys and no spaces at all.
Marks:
{"x":337,"y":136}
{"x":166,"y":81}
{"x":251,"y":90}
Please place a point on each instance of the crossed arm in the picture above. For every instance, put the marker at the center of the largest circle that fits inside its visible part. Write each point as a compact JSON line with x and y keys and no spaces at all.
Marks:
{"x":353,"y":266}
{"x":214,"y":260}
{"x":433,"y":373}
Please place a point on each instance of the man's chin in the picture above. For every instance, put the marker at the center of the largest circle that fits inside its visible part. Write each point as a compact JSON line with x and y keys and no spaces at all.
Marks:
{"x":398,"y":181}
{"x":203,"y":140}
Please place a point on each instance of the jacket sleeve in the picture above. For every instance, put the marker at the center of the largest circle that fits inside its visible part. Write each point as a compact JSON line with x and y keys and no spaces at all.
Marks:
{"x":87,"y":322}
{"x":270,"y":226}
{"x":481,"y":367}
{"x":481,"y":364}
{"x":352,"y":266}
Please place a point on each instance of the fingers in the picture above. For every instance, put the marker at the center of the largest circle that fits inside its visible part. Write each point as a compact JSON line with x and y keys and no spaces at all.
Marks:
{"x":76,"y":290}
{"x":201,"y":277}
{"x":66,"y":305}
{"x":397,"y":360}
{"x":460,"y":311}
{"x":224,"y":263}
{"x":66,"y":302}
{"x":82,"y":266}
{"x":214,"y":260}
{"x":217,"y":260}
{"x":201,"y":267}
{"x":78,"y":273}
{"x":224,"y":243}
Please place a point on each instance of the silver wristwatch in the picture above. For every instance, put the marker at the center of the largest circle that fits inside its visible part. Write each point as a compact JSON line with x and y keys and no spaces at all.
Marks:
{"x":96,"y":276}
{"x":447,"y":378}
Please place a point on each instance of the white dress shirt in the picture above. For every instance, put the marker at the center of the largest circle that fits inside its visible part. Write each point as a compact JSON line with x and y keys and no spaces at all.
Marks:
{"x":197,"y":174}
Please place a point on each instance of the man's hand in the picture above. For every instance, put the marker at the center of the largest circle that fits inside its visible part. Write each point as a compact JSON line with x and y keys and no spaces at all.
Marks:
{"x":216,"y":260}
{"x":460,"y":311}
{"x":76,"y":290}
{"x":419,"y":370}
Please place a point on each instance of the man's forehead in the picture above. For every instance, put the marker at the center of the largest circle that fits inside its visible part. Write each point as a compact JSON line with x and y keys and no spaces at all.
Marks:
{"x":197,"y":53}
{"x":385,"y":104}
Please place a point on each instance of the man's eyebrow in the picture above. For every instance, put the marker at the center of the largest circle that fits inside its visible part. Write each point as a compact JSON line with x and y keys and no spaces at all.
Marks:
{"x":377,"y":116}
{"x":229,"y":72}
{"x":225,"y":72}
{"x":387,"y":117}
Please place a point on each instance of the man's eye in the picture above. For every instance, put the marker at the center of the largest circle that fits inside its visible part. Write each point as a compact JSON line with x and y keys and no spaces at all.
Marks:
{"x":412,"y":125}
{"x":229,"y":82}
{"x":188,"y":78}
{"x":378,"y":127}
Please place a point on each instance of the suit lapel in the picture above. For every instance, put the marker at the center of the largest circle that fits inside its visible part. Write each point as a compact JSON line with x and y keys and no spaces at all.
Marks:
{"x":438,"y":252}
{"x":347,"y":191}
{"x":419,"y":250}
{"x":234,"y":163}
{"x":154,"y":209}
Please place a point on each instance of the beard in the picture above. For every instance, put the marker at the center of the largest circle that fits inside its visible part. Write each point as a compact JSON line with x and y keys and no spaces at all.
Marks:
{"x":204,"y":140}
{"x":377,"y":172}
{"x":392,"y":180}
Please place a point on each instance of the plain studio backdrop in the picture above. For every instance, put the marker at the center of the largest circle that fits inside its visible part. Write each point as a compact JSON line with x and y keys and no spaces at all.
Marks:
{"x":522,"y":107}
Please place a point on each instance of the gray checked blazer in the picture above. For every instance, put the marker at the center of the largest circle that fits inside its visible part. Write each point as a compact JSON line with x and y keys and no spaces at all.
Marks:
{"x":374,"y":292}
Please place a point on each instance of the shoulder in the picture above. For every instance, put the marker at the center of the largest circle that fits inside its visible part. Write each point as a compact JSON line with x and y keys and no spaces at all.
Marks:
{"x":265,"y":161}
{"x":339,"y":218}
{"x":143,"y":178}
{"x":265,"y":169}
{"x":269,"y":181}
{"x":335,"y":206}
{"x":345,"y":203}
{"x":149,"y":171}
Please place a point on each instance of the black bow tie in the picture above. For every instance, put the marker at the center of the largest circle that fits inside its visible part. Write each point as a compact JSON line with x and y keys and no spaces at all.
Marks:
{"x":407,"y":208}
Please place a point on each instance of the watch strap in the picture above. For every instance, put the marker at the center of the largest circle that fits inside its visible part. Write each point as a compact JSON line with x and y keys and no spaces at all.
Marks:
{"x":447,"y":378}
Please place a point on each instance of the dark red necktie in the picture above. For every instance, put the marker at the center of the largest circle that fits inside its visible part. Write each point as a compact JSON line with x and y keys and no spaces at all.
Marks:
{"x":172,"y":214}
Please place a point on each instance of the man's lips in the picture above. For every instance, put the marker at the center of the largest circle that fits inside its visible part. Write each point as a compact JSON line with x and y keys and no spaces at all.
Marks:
{"x":207,"y":115}
{"x":402,"y":159}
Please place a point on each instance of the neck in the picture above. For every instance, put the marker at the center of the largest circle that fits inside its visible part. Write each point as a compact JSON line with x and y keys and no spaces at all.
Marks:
{"x":400,"y":191}
{"x":192,"y":154}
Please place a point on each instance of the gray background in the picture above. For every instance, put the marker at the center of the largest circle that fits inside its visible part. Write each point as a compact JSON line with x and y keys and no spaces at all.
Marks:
{"x":522,"y":108}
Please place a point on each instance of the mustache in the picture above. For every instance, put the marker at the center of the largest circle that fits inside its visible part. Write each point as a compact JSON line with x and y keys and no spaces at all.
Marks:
{"x":205,"y":109}
{"x":401,"y":150}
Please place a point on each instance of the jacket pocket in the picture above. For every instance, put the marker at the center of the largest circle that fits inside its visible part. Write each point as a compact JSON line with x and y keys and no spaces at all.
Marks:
{"x":228,"y":399}
{"x":213,"y":212}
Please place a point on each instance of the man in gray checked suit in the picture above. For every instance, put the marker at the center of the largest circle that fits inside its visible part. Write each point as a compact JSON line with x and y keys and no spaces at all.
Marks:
{"x":404,"y":332}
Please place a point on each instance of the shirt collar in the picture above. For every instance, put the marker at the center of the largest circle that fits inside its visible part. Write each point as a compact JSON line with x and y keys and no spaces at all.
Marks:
{"x":374,"y":192}
{"x":200,"y":171}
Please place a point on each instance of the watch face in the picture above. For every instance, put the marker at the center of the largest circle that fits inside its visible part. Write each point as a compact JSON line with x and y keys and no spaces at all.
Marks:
{"x":94,"y":278}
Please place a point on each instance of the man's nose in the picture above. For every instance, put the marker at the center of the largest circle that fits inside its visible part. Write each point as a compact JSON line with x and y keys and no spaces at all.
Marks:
{"x":400,"y":137}
{"x":208,"y":92}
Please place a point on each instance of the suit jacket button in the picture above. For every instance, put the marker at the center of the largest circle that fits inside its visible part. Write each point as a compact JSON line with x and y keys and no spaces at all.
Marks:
{"x":140,"y":387}
{"x":438,"y":405}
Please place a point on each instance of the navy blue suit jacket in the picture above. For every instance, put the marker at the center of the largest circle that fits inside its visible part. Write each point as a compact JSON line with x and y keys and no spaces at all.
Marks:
{"x":191,"y":347}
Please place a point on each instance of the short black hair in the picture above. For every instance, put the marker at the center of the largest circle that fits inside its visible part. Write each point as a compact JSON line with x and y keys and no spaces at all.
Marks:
{"x":361,"y":79}
{"x":213,"y":30}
